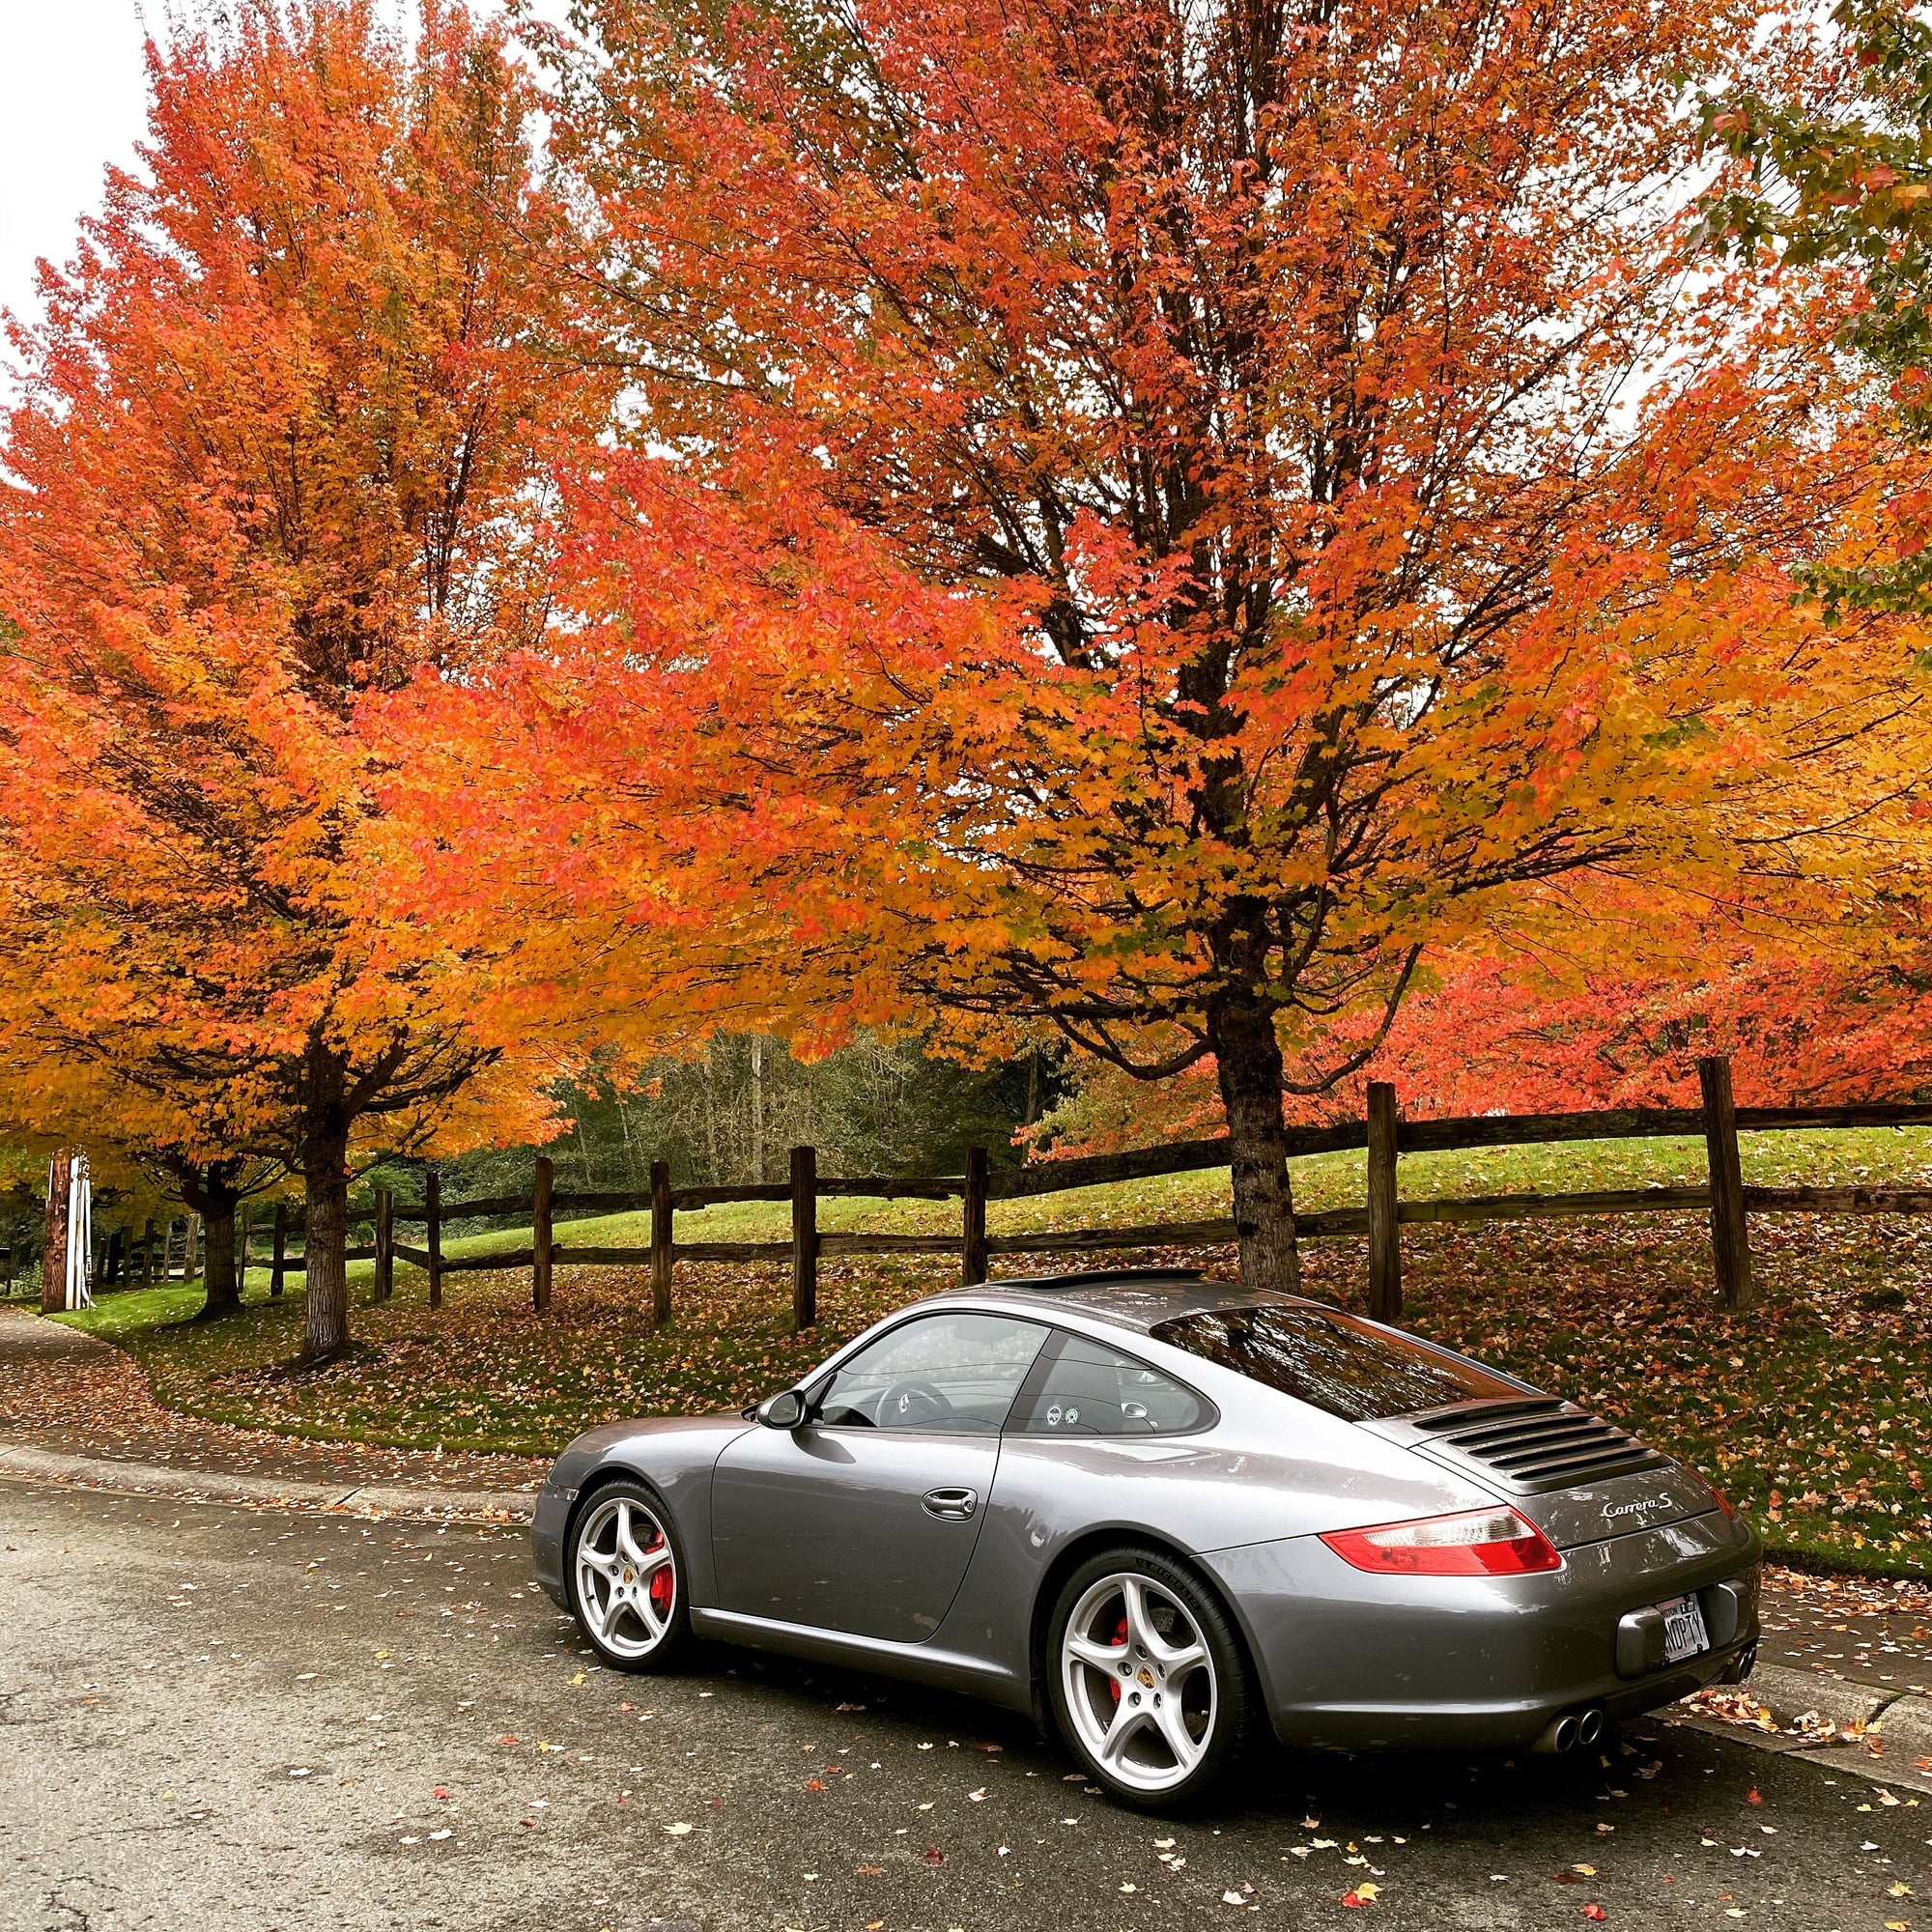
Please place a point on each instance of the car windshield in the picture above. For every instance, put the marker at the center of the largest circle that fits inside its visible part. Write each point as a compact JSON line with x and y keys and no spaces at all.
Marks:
{"x":1349,"y":1368}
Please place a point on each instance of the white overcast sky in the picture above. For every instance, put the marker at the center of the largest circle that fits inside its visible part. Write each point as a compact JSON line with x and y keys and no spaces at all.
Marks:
{"x":72,"y":102}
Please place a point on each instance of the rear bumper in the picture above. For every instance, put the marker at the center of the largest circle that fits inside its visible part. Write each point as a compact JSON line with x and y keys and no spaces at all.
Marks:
{"x":1354,"y":1662}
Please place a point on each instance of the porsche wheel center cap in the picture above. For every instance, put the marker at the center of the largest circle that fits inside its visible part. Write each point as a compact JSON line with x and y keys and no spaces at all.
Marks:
{"x":1147,"y":1676}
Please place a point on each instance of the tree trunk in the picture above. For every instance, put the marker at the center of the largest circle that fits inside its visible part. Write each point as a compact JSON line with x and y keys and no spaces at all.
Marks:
{"x":1241,"y":1029}
{"x":211,"y":1193}
{"x":53,"y":1255}
{"x":221,"y":1287}
{"x":325,"y":1241}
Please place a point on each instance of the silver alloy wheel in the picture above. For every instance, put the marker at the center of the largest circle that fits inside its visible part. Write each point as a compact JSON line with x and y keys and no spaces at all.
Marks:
{"x":626,"y":1581}
{"x":1139,"y":1681}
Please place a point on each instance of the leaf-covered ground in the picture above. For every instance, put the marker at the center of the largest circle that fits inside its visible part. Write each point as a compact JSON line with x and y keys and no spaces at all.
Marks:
{"x":1810,"y":1409}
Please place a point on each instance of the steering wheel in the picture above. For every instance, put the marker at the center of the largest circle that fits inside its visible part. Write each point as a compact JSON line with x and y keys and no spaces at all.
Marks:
{"x":913,"y":1405}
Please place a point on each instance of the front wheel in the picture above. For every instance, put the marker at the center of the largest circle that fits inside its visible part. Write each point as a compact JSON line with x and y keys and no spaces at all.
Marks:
{"x":1148,"y":1681}
{"x":626,"y":1581}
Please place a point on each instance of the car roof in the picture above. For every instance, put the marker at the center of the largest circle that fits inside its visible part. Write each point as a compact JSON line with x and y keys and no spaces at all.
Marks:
{"x":1136,"y":1298}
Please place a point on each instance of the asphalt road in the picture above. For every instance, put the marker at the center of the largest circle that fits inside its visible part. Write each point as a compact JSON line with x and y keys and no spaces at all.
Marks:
{"x":217,"y":1717}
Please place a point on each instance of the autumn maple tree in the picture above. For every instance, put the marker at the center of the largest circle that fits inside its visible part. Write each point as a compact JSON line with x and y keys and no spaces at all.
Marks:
{"x":282,"y":442}
{"x":1141,"y":522}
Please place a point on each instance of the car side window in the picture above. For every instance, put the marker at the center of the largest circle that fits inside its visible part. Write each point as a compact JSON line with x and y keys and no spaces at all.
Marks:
{"x":1081,"y":1388}
{"x":942,"y":1373}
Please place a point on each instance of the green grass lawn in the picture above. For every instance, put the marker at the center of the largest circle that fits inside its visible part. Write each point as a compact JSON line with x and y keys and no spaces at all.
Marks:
{"x":1810,"y":1409}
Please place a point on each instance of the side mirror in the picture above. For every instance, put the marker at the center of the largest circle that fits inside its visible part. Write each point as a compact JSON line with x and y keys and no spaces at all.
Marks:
{"x":782,"y":1411}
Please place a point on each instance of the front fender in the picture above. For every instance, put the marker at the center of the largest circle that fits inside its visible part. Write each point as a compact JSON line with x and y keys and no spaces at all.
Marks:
{"x":674,"y":1454}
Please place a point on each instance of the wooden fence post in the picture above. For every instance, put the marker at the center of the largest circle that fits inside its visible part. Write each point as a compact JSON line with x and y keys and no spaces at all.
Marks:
{"x":803,"y":1239}
{"x":433,"y":1203}
{"x":973,"y":1219}
{"x":386,"y":1244}
{"x":1730,"y":1241}
{"x":660,"y":1241}
{"x":540,"y":1241}
{"x":148,"y":1253}
{"x":278,"y":1261}
{"x":1384,"y":1230}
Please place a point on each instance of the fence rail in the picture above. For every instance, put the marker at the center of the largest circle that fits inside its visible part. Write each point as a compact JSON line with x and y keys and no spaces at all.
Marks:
{"x":1383,"y":1137}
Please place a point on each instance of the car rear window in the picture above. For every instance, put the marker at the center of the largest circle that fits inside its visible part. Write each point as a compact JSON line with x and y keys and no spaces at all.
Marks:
{"x":1348,"y":1367}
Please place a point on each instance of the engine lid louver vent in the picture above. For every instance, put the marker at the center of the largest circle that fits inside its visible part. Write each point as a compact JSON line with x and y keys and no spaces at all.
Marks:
{"x":1540,"y":1444}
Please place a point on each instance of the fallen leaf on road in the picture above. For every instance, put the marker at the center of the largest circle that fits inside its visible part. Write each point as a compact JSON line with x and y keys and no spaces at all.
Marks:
{"x":934,"y":1855}
{"x":678,"y":1831}
{"x":1594,"y":1912}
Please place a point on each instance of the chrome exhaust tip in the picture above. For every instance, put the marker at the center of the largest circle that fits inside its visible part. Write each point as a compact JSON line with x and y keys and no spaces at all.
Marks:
{"x":1590,"y":1726}
{"x":1559,"y":1736}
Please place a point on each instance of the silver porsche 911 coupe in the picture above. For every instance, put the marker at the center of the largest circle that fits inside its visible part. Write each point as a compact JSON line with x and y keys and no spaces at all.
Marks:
{"x":1166,"y":1514}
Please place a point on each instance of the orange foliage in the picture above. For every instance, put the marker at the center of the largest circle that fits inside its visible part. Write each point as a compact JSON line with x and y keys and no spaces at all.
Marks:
{"x":1145,"y":521}
{"x":283,"y":442}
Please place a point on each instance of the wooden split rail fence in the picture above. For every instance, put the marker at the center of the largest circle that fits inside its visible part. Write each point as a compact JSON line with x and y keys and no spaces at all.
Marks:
{"x":1383,"y":1137}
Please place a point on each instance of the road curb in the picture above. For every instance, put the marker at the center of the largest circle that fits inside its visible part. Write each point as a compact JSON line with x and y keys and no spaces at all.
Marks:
{"x":1880,"y":1734}
{"x":204,"y":1486}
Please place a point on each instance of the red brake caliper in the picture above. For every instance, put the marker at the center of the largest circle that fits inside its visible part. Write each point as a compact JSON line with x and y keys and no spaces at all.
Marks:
{"x":661,"y":1582}
{"x":1121,"y":1639}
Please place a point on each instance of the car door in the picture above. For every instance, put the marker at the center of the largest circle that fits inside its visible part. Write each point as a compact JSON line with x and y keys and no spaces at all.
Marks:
{"x":865,"y":1518}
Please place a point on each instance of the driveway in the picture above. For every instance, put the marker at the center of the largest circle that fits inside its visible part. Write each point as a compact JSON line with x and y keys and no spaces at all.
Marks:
{"x":218,"y":1717}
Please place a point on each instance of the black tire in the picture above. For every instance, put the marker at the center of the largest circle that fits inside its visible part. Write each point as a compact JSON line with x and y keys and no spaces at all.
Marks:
{"x":621,"y":1623}
{"x":1140,"y":1780}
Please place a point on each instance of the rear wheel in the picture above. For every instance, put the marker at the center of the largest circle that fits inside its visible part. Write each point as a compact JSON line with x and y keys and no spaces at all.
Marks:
{"x":1148,"y":1683}
{"x":626,"y":1579}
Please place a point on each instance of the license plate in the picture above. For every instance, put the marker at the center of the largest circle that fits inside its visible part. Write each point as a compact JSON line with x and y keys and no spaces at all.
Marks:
{"x":1684,"y":1631}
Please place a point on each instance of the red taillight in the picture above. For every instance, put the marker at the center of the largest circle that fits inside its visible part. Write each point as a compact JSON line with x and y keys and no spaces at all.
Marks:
{"x":1722,"y":1500}
{"x":1474,"y":1543}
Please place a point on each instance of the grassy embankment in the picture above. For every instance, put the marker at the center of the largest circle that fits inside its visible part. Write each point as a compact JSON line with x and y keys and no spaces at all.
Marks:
{"x":1812,"y":1410}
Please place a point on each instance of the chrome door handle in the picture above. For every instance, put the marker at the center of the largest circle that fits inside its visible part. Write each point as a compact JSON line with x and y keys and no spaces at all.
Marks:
{"x":952,"y":1505}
